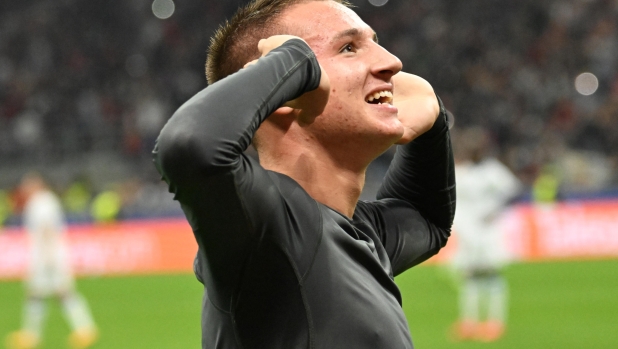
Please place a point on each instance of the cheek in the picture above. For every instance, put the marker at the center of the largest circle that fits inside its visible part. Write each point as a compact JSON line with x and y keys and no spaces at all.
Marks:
{"x":345,"y":74}
{"x":346,"y":90}
{"x":336,"y":93}
{"x":340,"y":115}
{"x":346,"y":95}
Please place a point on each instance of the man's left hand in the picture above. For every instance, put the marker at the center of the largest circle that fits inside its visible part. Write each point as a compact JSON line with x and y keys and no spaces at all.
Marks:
{"x":417,"y":103}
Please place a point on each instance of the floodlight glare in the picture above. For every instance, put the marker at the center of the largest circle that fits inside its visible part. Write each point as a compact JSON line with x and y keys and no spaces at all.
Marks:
{"x":378,"y":2}
{"x":586,"y":84}
{"x":163,"y":9}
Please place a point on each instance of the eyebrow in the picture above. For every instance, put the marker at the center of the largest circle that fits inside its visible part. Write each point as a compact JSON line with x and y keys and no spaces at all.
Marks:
{"x":353,"y":32}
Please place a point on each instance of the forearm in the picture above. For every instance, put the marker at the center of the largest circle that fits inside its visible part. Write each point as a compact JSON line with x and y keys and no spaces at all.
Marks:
{"x":422,"y":173}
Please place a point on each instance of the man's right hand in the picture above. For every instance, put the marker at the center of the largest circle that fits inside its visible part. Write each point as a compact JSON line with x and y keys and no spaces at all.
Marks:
{"x":311,"y":104}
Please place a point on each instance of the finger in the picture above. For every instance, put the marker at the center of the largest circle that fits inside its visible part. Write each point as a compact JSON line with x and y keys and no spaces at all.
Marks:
{"x":284,"y":110}
{"x":250,"y":63}
{"x":261,"y":44}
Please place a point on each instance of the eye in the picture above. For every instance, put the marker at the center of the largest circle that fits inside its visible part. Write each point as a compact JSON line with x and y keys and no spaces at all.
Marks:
{"x":348,"y":48}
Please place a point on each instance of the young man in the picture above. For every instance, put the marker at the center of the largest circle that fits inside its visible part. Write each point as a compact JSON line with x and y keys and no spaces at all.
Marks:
{"x":50,"y":271}
{"x":484,"y":188}
{"x":290,"y":258}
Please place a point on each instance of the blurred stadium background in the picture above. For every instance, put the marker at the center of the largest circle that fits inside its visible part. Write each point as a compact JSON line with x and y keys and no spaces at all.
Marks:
{"x":85,"y":87}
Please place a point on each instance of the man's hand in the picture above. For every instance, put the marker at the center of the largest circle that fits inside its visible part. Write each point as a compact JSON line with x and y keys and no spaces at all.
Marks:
{"x":311,"y":104}
{"x":417,"y":104}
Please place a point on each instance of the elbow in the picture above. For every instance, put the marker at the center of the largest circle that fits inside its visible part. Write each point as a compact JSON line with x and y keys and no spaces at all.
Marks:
{"x":170,"y":152}
{"x":176,"y":139}
{"x":182,"y":153}
{"x":441,"y":236}
{"x":445,"y":234}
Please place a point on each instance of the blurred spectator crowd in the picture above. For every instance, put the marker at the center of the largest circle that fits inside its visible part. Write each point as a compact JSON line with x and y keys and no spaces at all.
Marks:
{"x":85,"y":86}
{"x":511,"y":66}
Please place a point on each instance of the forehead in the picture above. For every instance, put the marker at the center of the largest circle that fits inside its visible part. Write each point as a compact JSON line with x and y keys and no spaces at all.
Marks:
{"x":321,"y":21}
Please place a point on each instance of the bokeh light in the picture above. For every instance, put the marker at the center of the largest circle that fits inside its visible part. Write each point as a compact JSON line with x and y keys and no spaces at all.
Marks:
{"x":586,"y":84}
{"x":378,"y":2}
{"x":163,"y":9}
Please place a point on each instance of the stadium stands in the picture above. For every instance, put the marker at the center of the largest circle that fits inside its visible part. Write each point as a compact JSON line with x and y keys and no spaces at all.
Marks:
{"x":85,"y":86}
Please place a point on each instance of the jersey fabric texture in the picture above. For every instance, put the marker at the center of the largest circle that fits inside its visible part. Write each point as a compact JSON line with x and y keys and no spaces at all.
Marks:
{"x":282,"y":270}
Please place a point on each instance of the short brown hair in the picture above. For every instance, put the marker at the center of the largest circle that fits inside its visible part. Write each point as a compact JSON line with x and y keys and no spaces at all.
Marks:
{"x":235,"y":42}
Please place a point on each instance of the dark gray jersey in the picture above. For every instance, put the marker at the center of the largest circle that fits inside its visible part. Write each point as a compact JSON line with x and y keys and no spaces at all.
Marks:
{"x":281,"y":269}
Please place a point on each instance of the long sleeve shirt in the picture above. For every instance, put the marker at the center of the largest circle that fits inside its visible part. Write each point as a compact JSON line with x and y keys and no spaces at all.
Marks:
{"x":280,"y":269}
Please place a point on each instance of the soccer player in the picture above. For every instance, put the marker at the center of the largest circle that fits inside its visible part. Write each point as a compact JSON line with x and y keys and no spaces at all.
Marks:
{"x":289,"y":256}
{"x":484,"y":188}
{"x":49,"y":271}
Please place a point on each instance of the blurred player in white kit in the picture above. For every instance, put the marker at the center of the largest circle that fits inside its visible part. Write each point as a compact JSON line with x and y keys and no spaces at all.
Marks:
{"x":484,"y":188}
{"x":49,"y":273}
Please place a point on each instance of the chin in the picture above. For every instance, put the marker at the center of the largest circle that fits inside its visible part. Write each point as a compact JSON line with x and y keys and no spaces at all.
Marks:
{"x":392,"y":130}
{"x":384,"y":140}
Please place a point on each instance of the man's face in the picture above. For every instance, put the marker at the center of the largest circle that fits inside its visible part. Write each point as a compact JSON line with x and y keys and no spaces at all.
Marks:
{"x":358,"y":68}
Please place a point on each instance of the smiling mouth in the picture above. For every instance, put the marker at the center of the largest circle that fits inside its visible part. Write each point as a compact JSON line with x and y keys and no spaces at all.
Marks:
{"x":380,"y":97}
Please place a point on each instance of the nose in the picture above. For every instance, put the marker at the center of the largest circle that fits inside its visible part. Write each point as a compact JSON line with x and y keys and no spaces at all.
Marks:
{"x":386,"y":64}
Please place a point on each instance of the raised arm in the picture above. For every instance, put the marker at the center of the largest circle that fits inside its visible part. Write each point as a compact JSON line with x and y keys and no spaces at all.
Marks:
{"x":423,"y":174}
{"x":208,"y":134}
{"x":416,"y":201}
{"x":199,"y":153}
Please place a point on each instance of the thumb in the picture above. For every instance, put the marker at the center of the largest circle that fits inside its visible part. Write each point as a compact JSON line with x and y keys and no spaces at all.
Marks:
{"x":250,"y":63}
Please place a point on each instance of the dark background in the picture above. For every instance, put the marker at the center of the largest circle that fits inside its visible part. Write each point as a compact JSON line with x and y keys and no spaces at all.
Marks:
{"x":85,"y":86}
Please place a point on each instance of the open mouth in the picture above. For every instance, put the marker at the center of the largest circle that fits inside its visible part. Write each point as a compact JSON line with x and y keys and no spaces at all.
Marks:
{"x":380,"y":97}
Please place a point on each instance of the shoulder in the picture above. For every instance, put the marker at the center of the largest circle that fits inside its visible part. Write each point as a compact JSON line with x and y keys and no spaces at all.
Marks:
{"x":43,"y":207}
{"x":496,"y":168}
{"x":493,"y":163}
{"x":379,"y":213}
{"x":298,"y":223}
{"x":296,"y":200}
{"x":43,"y":201}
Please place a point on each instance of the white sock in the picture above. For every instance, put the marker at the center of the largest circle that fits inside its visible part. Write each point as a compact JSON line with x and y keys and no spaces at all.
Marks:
{"x":35,"y":310}
{"x":77,"y":312}
{"x":469,"y":300}
{"x":497,"y":299}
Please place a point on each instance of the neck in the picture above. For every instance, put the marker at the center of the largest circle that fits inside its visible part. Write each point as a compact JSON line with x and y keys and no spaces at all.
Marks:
{"x":333,"y":182}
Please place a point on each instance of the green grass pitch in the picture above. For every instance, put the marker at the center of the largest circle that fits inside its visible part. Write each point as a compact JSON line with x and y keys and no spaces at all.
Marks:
{"x":553,"y":305}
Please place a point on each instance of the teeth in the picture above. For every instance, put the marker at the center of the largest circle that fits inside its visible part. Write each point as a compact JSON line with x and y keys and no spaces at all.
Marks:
{"x":381,"y":94}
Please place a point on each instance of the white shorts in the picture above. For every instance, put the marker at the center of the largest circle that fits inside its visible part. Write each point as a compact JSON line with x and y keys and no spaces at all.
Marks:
{"x":480,"y":250}
{"x":50,"y":277}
